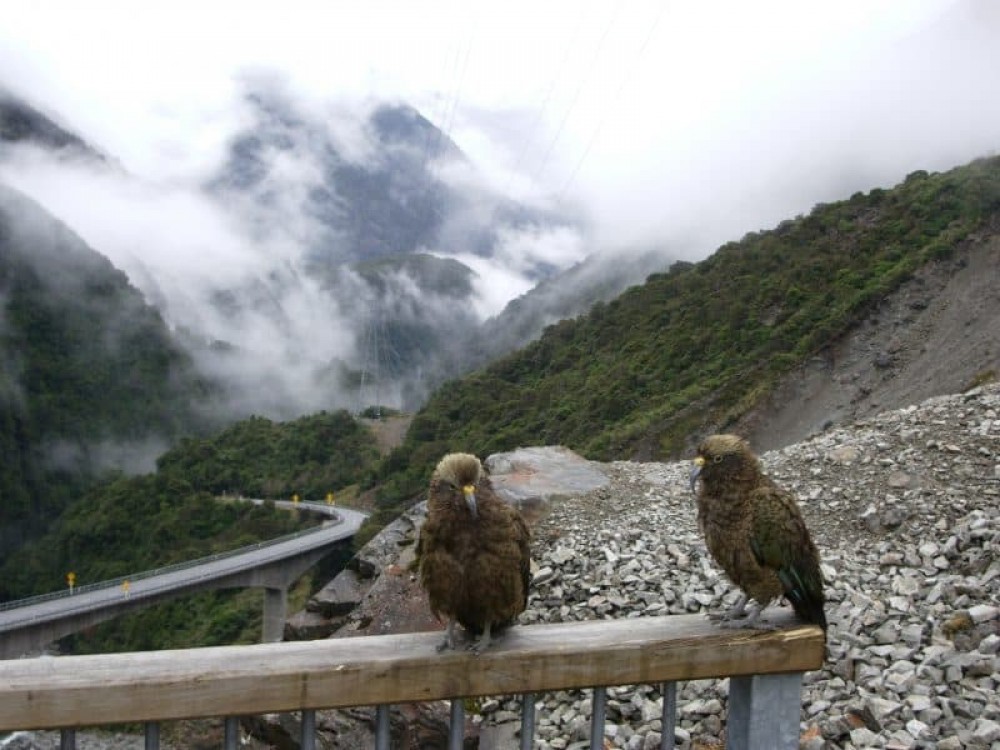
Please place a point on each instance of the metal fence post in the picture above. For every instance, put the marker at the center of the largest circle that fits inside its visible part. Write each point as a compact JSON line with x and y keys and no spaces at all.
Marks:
{"x":527,"y":721}
{"x":307,"y":739}
{"x":152,"y":733}
{"x":456,"y":730}
{"x":764,"y":712}
{"x":668,"y":718}
{"x":231,"y":738}
{"x":598,"y":704}
{"x":383,"y":730}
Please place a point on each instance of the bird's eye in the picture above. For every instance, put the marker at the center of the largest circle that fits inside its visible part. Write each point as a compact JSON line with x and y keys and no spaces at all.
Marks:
{"x":716,"y":459}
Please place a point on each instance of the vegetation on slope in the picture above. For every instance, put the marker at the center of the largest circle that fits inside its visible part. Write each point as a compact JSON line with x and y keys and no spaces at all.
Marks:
{"x":130,"y":524}
{"x":698,"y":345}
{"x":309,"y":457}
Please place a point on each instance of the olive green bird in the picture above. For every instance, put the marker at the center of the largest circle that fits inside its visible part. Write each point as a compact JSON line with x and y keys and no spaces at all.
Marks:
{"x":473,"y":552}
{"x":755,"y":532}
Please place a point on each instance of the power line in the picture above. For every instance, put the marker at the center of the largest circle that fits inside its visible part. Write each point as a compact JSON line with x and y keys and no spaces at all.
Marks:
{"x":380,"y":352}
{"x":547,"y":97}
{"x":449,"y":114}
{"x":621,"y":87}
{"x":449,"y":124}
{"x":576,"y":94}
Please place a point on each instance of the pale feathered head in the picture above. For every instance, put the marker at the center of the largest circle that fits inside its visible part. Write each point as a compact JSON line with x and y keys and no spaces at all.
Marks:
{"x":463,"y":471}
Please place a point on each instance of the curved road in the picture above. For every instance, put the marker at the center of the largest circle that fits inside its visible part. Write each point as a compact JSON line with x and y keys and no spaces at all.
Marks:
{"x":155,"y":584}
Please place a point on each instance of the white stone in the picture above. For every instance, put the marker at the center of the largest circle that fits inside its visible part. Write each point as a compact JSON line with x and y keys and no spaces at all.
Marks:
{"x":983,"y":613}
{"x":986,"y":730}
{"x":881,"y":708}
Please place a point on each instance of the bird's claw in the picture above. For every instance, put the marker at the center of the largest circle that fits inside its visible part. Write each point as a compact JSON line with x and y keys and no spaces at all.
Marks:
{"x":479,"y":646}
{"x":449,"y":637}
{"x":726,"y":616}
{"x":748,"y":623}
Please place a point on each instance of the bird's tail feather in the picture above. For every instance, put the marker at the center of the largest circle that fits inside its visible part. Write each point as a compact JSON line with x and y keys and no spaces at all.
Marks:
{"x":805,"y":593}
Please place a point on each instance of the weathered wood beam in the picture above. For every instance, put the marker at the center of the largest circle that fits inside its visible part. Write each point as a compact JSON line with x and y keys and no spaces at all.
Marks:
{"x":237,"y":680}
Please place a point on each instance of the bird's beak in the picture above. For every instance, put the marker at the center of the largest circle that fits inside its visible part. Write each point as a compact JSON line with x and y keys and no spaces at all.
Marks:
{"x":470,"y":498}
{"x":695,"y":471}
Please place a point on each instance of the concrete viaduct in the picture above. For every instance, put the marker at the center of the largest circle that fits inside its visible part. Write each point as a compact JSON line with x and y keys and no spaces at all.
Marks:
{"x":28,"y":625}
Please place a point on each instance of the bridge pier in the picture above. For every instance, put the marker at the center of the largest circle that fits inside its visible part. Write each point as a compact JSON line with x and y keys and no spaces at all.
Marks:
{"x":275,"y":613}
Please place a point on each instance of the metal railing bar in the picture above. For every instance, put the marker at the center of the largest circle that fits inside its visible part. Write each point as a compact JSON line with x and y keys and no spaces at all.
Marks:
{"x":232,"y":733}
{"x":67,"y":739}
{"x":307,"y":740}
{"x":598,"y":704}
{"x":456,"y":728}
{"x":152,"y":733}
{"x":764,"y":711}
{"x":382,"y":728}
{"x":527,"y":721}
{"x":668,"y":718}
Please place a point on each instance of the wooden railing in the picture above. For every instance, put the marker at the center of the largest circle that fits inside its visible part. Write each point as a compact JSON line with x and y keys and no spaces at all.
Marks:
{"x":765,"y":668}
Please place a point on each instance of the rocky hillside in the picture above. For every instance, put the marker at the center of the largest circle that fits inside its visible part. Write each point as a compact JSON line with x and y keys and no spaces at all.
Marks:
{"x":904,"y":507}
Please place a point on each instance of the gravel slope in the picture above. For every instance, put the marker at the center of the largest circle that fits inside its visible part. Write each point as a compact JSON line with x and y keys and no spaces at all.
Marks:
{"x":904,"y":508}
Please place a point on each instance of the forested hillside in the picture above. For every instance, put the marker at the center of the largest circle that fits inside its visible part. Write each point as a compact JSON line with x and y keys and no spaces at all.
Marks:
{"x":89,"y":371}
{"x":129,"y":524}
{"x":256,"y":457}
{"x":698,"y":346}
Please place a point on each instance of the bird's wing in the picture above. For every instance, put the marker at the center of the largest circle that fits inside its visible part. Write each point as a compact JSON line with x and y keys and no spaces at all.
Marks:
{"x":523,"y":536}
{"x":780,"y":541}
{"x":429,"y":537}
{"x":418,"y":550}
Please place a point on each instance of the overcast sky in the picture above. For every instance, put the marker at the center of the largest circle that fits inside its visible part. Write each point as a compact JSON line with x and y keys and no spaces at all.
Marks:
{"x":671,"y":125}
{"x":662,"y":118}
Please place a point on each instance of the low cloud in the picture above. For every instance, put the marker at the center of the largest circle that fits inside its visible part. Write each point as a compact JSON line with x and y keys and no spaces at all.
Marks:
{"x":667,"y":127}
{"x":251,"y":277}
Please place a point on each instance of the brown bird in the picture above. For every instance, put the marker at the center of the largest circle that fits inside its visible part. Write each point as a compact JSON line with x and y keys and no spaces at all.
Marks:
{"x":473,"y":552}
{"x":754,"y":530}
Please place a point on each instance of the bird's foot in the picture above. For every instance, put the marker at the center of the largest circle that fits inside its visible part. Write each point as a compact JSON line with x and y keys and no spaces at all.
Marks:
{"x":737,"y":612}
{"x":750,"y":619}
{"x":483,"y":643}
{"x":478,"y":647}
{"x":449,"y":638}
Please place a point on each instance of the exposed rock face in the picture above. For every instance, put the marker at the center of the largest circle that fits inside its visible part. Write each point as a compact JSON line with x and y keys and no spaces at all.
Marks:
{"x":936,"y":334}
{"x":905,"y":508}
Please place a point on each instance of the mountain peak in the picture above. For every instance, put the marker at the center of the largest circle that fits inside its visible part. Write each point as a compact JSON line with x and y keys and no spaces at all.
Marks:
{"x":401,"y":124}
{"x":22,"y":123}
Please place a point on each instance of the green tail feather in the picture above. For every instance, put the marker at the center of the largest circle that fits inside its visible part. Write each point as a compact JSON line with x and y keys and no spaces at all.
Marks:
{"x":805,"y":595}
